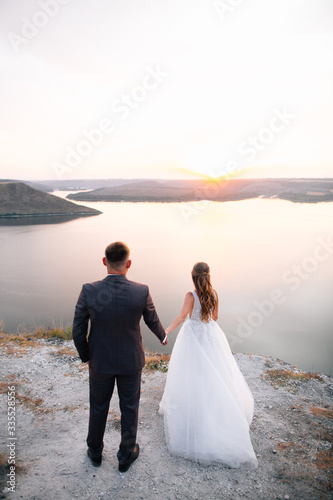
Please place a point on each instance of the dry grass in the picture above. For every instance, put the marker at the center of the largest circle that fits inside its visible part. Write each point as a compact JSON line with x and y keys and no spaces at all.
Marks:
{"x":305,"y":470}
{"x":114,"y":417}
{"x":27,"y":338}
{"x":23,"y":339}
{"x":322,"y":412}
{"x":305,"y":480}
{"x":34,"y":404}
{"x":310,"y":459}
{"x":3,"y":387}
{"x":285,"y":446}
{"x":18,"y":343}
{"x":65,"y":351}
{"x":11,"y":381}
{"x":70,"y":408}
{"x":324,"y":459}
{"x":50,"y":333}
{"x":294,"y":449}
{"x":157,"y":362}
{"x":283,"y":378}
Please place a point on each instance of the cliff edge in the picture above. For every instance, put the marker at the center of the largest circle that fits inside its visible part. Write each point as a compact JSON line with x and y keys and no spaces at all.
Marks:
{"x":291,"y":434}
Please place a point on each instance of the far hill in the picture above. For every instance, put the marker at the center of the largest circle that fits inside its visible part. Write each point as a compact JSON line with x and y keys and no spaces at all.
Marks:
{"x":71,"y":184}
{"x":17,"y":199}
{"x":40,"y":185}
{"x":295,"y":190}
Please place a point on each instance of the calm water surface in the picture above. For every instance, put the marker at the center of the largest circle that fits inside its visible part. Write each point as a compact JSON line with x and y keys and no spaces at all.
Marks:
{"x":271,"y":264}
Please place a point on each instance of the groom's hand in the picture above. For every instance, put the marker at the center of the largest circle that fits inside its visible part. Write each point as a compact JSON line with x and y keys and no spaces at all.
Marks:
{"x":165,"y":341}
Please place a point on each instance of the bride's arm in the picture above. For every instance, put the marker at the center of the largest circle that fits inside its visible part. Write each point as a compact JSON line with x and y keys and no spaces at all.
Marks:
{"x":186,"y":309}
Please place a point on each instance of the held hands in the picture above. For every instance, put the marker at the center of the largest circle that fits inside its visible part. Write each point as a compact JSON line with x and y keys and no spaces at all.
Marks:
{"x":165,"y":341}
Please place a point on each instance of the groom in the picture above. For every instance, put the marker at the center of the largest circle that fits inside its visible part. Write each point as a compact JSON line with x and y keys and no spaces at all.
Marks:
{"x":113,"y":349}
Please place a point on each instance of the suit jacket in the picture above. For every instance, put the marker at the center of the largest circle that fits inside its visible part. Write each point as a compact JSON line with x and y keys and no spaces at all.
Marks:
{"x":114,"y":307}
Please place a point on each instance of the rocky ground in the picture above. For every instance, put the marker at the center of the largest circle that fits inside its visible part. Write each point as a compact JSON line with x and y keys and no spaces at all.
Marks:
{"x":291,"y":435}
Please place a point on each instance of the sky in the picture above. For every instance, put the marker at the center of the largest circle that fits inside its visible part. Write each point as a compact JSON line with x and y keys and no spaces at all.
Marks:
{"x":166,"y":89}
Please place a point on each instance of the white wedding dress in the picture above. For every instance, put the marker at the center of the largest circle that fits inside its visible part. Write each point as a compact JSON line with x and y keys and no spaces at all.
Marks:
{"x":207,"y":404}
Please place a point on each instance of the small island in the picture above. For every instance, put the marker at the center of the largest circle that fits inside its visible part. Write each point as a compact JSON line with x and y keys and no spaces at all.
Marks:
{"x":18,"y":200}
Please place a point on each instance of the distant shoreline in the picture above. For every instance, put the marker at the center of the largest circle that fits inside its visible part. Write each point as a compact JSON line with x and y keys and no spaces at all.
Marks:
{"x":155,"y":191}
{"x":137,"y":199}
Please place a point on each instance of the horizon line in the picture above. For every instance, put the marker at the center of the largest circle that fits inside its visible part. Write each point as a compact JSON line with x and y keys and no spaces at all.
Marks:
{"x":208,"y":179}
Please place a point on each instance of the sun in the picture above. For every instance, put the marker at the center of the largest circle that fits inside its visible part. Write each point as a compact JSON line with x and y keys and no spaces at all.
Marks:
{"x":210,"y":159}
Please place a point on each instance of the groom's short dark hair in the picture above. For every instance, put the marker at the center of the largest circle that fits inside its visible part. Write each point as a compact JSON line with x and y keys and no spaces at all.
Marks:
{"x":117,"y":254}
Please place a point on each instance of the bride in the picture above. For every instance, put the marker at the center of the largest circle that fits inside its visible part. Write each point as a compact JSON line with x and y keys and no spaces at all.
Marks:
{"x":207,"y":404}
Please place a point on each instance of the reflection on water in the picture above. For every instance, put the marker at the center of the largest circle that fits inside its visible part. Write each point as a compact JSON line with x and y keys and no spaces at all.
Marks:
{"x":271,"y":264}
{"x":41,"y":219}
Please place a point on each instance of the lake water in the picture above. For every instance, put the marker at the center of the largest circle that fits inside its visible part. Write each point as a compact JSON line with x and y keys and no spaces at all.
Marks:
{"x":271,"y":263}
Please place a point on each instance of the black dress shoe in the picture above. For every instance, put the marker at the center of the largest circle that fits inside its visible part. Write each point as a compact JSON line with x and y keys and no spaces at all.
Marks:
{"x":134,"y":455}
{"x":95,"y":459}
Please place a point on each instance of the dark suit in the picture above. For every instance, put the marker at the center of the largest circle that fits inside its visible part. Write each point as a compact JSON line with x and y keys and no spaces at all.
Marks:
{"x":114,"y":307}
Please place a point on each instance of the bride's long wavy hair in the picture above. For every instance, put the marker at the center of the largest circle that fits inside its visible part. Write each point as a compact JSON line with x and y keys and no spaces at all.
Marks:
{"x":204,"y":289}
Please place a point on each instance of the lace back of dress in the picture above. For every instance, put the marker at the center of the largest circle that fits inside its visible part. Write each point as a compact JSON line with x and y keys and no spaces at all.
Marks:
{"x":196,"y":312}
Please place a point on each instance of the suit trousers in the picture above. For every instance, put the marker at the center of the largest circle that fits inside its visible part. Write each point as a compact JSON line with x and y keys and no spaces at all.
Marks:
{"x":101,"y":389}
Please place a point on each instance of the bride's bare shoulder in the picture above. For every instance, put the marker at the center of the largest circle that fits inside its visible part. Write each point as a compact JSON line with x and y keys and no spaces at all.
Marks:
{"x":189,"y":297}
